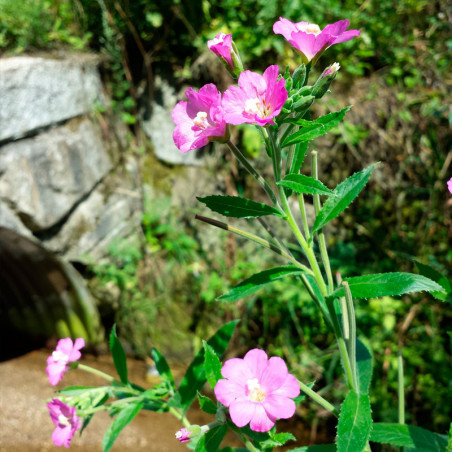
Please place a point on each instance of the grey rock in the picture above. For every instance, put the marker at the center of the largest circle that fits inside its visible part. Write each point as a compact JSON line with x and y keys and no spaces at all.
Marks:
{"x":43,"y":178}
{"x":9,"y":219}
{"x":38,"y":92}
{"x":97,"y":221}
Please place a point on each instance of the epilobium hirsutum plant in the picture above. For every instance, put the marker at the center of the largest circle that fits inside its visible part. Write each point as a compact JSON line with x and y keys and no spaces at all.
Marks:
{"x":255,"y":391}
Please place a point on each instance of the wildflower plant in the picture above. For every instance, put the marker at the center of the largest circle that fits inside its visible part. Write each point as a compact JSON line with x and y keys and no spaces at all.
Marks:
{"x":253,"y":392}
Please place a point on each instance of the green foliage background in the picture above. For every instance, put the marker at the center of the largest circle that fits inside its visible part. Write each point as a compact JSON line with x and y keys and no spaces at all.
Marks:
{"x":404,"y":57}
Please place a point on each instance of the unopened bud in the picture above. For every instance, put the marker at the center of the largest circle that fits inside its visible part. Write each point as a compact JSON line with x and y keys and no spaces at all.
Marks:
{"x":299,"y":76}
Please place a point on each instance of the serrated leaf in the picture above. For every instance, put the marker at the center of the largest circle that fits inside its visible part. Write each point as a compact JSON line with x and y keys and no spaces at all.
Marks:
{"x":298,"y":157}
{"x":364,"y":364}
{"x":314,"y":129}
{"x":407,"y":436}
{"x":386,"y":285}
{"x":434,"y":275}
{"x":195,"y":376}
{"x":163,"y":368}
{"x":237,"y":207}
{"x":119,"y":422}
{"x":119,"y":356}
{"x":345,"y":193}
{"x":206,"y":404}
{"x":300,"y":183}
{"x":355,"y":423}
{"x":212,"y":365}
{"x":255,"y":282}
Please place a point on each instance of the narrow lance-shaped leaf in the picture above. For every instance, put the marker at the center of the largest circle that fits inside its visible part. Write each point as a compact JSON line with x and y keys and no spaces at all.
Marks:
{"x":313,"y":129}
{"x":355,"y":422}
{"x":387,"y":284}
{"x":237,"y":207}
{"x":212,"y":365}
{"x":408,"y":436}
{"x":364,"y":364}
{"x":446,"y":284}
{"x":345,"y":193}
{"x":195,"y":376}
{"x":120,"y":421}
{"x":298,"y":157}
{"x":300,"y":183}
{"x":119,"y":356}
{"x":163,"y":368}
{"x":255,"y":282}
{"x":206,"y":404}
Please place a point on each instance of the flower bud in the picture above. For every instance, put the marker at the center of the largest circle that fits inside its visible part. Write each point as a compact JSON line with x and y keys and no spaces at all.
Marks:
{"x":323,"y":83}
{"x":184,"y":435}
{"x":303,"y":103}
{"x":224,"y":47}
{"x":299,"y":76}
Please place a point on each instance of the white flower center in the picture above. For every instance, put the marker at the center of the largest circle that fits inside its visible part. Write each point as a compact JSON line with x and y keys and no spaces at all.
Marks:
{"x":201,"y":120}
{"x":60,"y":357}
{"x":63,"y":420}
{"x":255,"y":391}
{"x":218,"y":39}
{"x":312,"y":29}
{"x":257,"y":107}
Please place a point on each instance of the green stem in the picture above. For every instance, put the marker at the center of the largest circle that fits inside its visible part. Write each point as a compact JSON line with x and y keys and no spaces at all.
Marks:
{"x":400,"y":388}
{"x":320,"y":234}
{"x":318,"y":398}
{"x":112,"y":404}
{"x":304,"y":217}
{"x":97,"y":372}
{"x":251,"y":170}
{"x":352,"y":331}
{"x":178,"y":415}
{"x":254,"y":238}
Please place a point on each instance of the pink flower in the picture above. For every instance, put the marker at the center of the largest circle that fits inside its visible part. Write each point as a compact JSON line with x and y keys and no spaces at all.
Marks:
{"x":66,"y":421}
{"x":221,"y":46}
{"x":183,"y":435}
{"x":309,"y":40}
{"x":257,"y":390}
{"x":65,"y":353}
{"x":199,"y":120}
{"x":449,"y":184}
{"x":257,"y":99}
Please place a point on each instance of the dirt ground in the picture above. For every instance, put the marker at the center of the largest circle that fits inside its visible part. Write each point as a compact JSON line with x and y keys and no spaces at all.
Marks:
{"x":25,"y":424}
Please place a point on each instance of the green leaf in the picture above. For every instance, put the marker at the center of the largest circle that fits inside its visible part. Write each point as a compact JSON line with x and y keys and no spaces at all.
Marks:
{"x":206,"y":404}
{"x":364,"y":364}
{"x":76,"y":390}
{"x":237,"y":207}
{"x":212,"y":365}
{"x":214,"y":437}
{"x":355,"y":422}
{"x":313,"y":129}
{"x":119,"y":422}
{"x":387,"y":284}
{"x":255,"y":282}
{"x":345,"y":193}
{"x":163,"y":368}
{"x":300,"y":183}
{"x":119,"y":356}
{"x":277,"y":439}
{"x":298,"y":157}
{"x":434,"y":275}
{"x":195,"y":376}
{"x":316,"y":448}
{"x":407,"y":436}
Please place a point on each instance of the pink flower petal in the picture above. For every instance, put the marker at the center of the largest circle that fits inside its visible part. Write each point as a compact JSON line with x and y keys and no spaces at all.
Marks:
{"x":337,"y":28}
{"x":290,"y":388}
{"x":226,"y":391}
{"x":242,"y":412}
{"x":237,"y":370}
{"x":62,"y":436}
{"x":252,"y":84}
{"x":256,"y":361}
{"x":347,"y":36}
{"x":279,"y":407}
{"x":274,"y":375}
{"x":75,"y":354}
{"x":261,"y":420}
{"x":64,"y":346}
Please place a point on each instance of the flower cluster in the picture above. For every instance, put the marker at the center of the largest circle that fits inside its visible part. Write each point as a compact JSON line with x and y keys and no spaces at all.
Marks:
{"x":61,"y":414}
{"x":258,"y":99}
